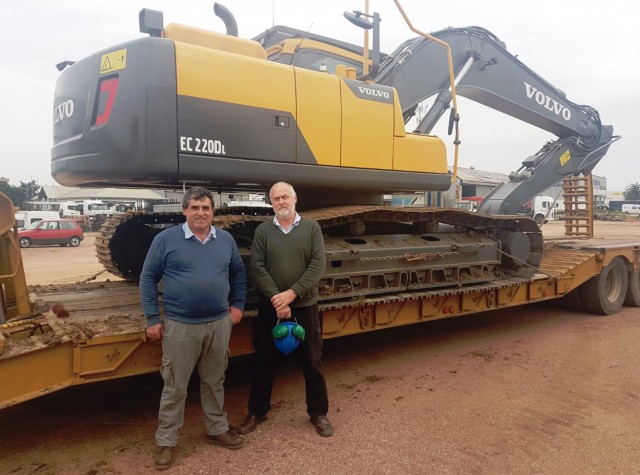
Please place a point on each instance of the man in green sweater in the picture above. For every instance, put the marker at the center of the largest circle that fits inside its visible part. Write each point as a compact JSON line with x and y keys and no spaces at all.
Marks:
{"x":287,"y":262}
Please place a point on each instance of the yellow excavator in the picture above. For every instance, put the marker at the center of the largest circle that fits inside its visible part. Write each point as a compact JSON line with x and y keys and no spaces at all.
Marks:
{"x":185,"y":106}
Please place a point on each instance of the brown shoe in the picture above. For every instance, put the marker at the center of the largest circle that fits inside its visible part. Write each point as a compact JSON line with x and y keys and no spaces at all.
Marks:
{"x":323,"y":426}
{"x":163,"y":457}
{"x":249,"y":424}
{"x":227,"y":440}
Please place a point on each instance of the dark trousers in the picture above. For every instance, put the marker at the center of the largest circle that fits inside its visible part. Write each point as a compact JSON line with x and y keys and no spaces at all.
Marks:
{"x":266,"y":358}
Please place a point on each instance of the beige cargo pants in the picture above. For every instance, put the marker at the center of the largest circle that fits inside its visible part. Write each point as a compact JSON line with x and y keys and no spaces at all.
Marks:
{"x":185,"y":346}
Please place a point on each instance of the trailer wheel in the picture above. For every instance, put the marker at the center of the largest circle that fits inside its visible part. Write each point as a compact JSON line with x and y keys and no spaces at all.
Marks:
{"x":633,"y":289}
{"x":604,"y":294}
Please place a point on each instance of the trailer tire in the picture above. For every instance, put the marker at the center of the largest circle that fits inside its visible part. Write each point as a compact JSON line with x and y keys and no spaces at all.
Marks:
{"x":604,"y":294}
{"x":632,"y":298}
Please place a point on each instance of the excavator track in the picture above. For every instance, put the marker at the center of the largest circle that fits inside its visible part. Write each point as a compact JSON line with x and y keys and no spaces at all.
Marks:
{"x":371,"y":250}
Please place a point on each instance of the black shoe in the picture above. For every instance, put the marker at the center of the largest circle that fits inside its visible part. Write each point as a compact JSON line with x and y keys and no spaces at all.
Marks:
{"x":163,"y":457}
{"x":228,"y":440}
{"x":323,"y":426}
{"x":249,"y":424}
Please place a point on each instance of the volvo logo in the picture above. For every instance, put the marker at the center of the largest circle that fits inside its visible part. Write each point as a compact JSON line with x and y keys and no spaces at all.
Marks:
{"x":63,"y":111}
{"x":371,"y":92}
{"x":547,"y":102}
{"x":374,"y":92}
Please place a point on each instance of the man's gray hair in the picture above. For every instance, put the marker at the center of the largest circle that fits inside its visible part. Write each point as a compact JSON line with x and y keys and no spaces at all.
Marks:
{"x":196,"y":193}
{"x":283,"y":183}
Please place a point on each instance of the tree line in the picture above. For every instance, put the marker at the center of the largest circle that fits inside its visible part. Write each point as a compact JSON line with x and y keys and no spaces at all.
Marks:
{"x":21,"y":194}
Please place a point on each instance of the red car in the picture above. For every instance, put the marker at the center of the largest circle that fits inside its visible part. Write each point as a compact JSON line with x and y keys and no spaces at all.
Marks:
{"x":51,"y":231}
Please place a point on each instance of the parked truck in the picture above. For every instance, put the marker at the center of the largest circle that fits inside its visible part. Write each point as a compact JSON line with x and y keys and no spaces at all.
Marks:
{"x":328,"y":117}
{"x":543,"y":208}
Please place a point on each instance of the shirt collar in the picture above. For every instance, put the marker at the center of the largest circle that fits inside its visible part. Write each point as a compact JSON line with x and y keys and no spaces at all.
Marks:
{"x":188,"y":234}
{"x":296,"y":221}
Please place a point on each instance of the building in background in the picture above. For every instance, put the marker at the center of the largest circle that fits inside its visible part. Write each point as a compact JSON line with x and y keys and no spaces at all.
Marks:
{"x":601,"y":196}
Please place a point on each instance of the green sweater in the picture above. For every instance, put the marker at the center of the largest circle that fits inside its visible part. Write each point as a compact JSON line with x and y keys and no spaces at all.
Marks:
{"x":282,"y":261}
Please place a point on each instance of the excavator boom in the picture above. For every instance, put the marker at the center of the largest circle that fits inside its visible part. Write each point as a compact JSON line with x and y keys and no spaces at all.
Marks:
{"x":487,"y":73}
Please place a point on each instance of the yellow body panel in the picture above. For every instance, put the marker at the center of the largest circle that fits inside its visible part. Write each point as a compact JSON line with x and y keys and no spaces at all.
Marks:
{"x":246,"y":81}
{"x":398,"y":122}
{"x":340,"y":128}
{"x":367,"y":132}
{"x":319,"y":114}
{"x":213,"y":40}
{"x":420,"y":153}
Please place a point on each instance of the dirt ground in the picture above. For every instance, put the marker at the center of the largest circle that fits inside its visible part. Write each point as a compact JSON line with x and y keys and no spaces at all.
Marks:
{"x":532,"y":390}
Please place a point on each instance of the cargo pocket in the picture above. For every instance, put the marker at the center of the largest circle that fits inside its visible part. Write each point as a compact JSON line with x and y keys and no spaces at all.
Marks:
{"x":166,"y":371}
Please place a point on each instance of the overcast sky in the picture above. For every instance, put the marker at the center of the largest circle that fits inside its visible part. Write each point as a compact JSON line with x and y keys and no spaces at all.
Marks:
{"x":582,"y":47}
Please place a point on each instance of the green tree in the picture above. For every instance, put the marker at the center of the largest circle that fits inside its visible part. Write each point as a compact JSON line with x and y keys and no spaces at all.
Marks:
{"x":15,"y":193}
{"x":31,"y":190}
{"x":632,"y":191}
{"x":27,"y":191}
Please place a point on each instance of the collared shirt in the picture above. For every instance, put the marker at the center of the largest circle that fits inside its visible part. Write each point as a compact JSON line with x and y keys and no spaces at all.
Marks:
{"x":296,"y":221}
{"x":188,"y":234}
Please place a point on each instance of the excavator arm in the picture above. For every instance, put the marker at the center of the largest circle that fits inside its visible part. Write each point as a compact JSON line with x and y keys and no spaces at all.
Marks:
{"x":484,"y":72}
{"x":487,"y":73}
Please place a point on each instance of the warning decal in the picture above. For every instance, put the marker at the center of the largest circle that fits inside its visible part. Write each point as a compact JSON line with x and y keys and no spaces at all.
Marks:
{"x":113,"y":61}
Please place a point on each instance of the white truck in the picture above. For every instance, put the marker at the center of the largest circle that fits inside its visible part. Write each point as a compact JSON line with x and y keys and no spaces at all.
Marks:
{"x":94,"y":212}
{"x":543,"y":208}
{"x":95,"y":208}
{"x":71,"y":209}
{"x":630,"y":208}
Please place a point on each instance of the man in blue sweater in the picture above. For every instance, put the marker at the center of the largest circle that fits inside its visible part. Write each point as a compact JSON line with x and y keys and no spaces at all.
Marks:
{"x":204,"y":293}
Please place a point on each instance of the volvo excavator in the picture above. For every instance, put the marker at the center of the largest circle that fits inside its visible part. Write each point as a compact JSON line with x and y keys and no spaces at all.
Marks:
{"x":185,"y":106}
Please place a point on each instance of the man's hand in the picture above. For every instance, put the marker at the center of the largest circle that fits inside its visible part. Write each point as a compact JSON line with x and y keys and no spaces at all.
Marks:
{"x":283,"y":299}
{"x":284,"y":313}
{"x":236,"y":314}
{"x":154,"y":332}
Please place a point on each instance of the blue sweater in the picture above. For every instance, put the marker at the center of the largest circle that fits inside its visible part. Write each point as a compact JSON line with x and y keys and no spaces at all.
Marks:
{"x":200,"y":280}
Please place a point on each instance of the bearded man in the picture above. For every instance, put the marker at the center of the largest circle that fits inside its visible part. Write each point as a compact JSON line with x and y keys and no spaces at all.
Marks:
{"x":287,"y":262}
